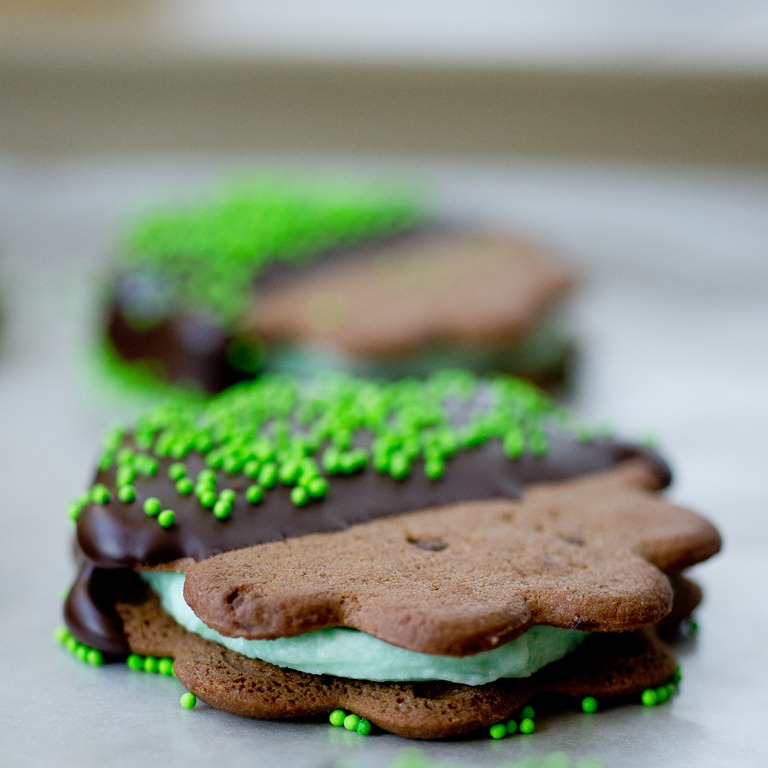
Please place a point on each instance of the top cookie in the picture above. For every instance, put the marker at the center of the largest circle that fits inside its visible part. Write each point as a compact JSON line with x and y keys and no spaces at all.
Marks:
{"x":300,"y":277}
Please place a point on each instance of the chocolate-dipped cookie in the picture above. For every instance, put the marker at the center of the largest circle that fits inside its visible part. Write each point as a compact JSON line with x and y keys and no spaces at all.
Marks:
{"x":465,"y":537}
{"x":300,"y":278}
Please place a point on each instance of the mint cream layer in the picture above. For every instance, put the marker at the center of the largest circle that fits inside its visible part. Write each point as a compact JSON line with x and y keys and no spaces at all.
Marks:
{"x":344,"y":652}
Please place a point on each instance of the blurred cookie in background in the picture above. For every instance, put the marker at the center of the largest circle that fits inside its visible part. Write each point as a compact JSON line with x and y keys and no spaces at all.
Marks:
{"x":309,"y":276}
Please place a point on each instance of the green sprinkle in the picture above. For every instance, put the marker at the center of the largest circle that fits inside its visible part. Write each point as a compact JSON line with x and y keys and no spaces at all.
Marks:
{"x":180,"y":449}
{"x":165,"y":666}
{"x":228,"y":495}
{"x":207,"y":499}
{"x":94,"y":657}
{"x":399,"y":466}
{"x":100,"y":494}
{"x":527,"y":725}
{"x":527,"y":712}
{"x":81,"y":652}
{"x":146,"y":465}
{"x":61,"y":634}
{"x":206,"y":476}
{"x":498,"y":731}
{"x":332,"y":461}
{"x":188,"y":700}
{"x":299,"y":496}
{"x":381,"y":462}
{"x":351,"y":722}
{"x":662,"y":694}
{"x":126,"y":493}
{"x":135,"y":662}
{"x":649,"y":698}
{"x":352,"y":461}
{"x":363,"y":727}
{"x":125,"y":475}
{"x":589,"y":704}
{"x":150,"y":664}
{"x":152,"y":506}
{"x":511,"y":726}
{"x":251,"y":469}
{"x":232,"y":465}
{"x":434,"y":469}
{"x":289,"y":472}
{"x":214,"y":460}
{"x":126,"y":455}
{"x":317,"y":487}
{"x":222,"y":509}
{"x":176,"y":471}
{"x":254,"y":494}
{"x":106,"y":462}
{"x":268,"y":475}
{"x":514,"y":443}
{"x":166,"y":518}
{"x":184,"y":486}
{"x":263,"y":450}
{"x":336,"y":718}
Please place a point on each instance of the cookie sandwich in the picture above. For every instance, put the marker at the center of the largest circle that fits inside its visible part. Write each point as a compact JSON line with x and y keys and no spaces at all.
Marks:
{"x":301,"y":277}
{"x":429,"y":555}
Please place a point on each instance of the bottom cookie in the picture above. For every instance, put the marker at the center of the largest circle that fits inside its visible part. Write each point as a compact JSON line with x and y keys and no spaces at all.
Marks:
{"x":608,"y":666}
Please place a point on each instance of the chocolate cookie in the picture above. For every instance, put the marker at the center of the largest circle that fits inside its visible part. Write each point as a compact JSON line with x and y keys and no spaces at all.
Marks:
{"x":300,"y":278}
{"x":456,"y":524}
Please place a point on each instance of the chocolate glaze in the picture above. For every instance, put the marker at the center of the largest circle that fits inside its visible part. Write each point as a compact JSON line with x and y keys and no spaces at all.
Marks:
{"x":117,"y":537}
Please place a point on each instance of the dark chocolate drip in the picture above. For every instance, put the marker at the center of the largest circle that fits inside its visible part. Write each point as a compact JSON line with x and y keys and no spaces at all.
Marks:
{"x":118,"y":537}
{"x":186,"y":350}
{"x":89,"y":609}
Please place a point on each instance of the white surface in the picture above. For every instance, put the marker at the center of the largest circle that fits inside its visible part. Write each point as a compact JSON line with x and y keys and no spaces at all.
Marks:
{"x":672,"y":319}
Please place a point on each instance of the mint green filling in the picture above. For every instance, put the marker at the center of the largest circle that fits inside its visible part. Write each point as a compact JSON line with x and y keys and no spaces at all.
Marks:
{"x":349,"y":653}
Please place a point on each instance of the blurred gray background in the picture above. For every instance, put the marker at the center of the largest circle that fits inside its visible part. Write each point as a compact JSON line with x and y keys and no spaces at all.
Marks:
{"x":682,"y":82}
{"x":629,"y":137}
